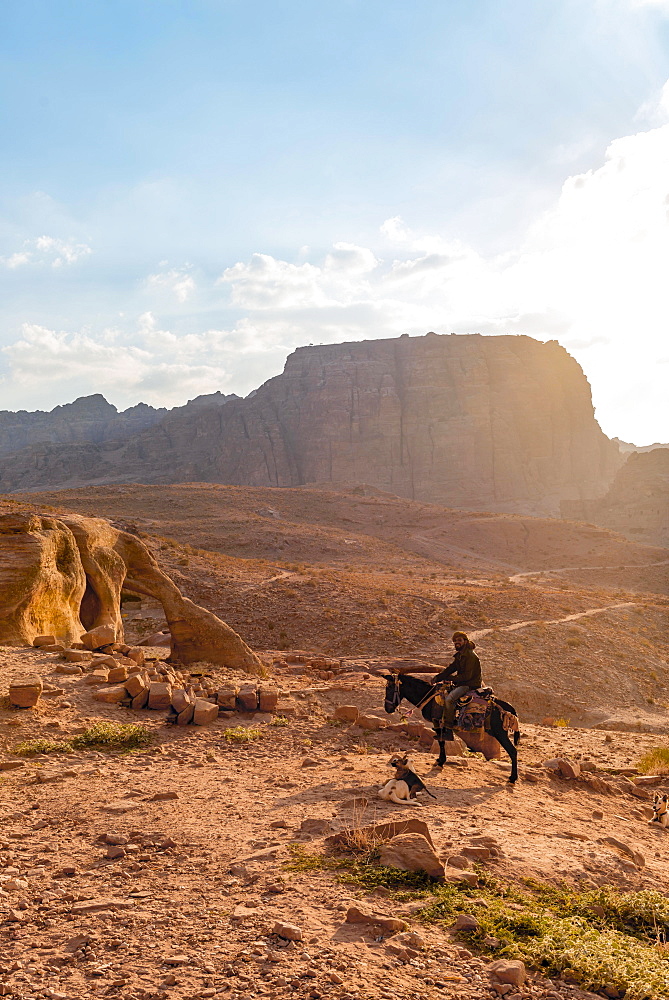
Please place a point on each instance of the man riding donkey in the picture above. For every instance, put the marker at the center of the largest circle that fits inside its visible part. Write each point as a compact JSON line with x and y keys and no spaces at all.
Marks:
{"x":464,"y":673}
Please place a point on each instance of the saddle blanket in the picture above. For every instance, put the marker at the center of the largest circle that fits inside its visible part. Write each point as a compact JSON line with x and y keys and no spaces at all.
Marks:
{"x":471,"y":712}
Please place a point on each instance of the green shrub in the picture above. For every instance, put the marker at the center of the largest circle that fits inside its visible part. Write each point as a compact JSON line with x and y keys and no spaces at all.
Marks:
{"x":113,"y":736}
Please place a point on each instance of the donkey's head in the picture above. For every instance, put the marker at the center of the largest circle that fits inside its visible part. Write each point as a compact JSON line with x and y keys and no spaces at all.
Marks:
{"x":393,"y":692}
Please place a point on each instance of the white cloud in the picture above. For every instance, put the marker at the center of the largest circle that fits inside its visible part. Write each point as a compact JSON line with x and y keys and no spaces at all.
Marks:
{"x":176,"y":280}
{"x":47,"y":250}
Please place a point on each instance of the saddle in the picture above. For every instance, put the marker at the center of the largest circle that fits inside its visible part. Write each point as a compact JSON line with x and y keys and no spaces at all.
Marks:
{"x":472,"y":710}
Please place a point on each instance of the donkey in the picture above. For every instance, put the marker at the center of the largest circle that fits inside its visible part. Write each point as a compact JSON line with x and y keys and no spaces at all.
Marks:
{"x":418,"y":692}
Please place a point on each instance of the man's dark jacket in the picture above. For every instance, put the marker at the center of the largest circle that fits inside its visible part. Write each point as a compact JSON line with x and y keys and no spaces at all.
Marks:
{"x":465,"y":669}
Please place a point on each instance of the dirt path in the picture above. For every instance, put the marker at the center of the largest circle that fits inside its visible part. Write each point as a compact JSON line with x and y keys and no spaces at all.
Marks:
{"x":555,"y":621}
{"x":517,"y":577}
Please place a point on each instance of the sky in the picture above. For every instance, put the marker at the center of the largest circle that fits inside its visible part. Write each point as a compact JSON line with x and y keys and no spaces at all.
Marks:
{"x":191,"y":189}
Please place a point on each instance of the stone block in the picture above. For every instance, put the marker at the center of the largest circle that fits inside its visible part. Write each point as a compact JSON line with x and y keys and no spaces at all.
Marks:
{"x":111,"y":695}
{"x":140,"y":700}
{"x":227,"y":697}
{"x":135,"y":653}
{"x":268,"y":697}
{"x":56,"y":647}
{"x":105,"y":660}
{"x":181,"y":700}
{"x":117,"y":674}
{"x":44,"y":640}
{"x":69,"y":668}
{"x":204,"y":712}
{"x":347,"y":713}
{"x":74,"y":656}
{"x":24,"y":692}
{"x":136,"y":684}
{"x":97,"y":677}
{"x":370,"y":722}
{"x":247,"y":698}
{"x":160,"y":696}
{"x":185,"y":717}
{"x":103,"y":635}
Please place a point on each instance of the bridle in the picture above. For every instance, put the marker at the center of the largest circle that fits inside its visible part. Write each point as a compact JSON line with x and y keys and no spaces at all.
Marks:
{"x":397,"y":695}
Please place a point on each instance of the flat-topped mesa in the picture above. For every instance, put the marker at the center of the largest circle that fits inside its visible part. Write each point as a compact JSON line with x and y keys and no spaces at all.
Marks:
{"x":487,"y":423}
{"x":64,"y":575}
{"x":501,"y":423}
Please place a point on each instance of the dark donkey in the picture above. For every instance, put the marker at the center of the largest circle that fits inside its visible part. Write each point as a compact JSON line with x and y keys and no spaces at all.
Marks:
{"x":418,"y":692}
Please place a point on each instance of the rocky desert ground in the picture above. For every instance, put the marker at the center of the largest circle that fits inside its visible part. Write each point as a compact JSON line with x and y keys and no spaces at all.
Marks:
{"x":205,"y":861}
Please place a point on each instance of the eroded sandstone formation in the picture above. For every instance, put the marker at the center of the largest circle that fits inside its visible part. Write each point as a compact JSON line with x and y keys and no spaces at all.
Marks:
{"x":483,"y":423}
{"x":64,"y":575}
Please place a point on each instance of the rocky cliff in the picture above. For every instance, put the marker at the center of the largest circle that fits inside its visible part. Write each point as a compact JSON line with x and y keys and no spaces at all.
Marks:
{"x":89,"y":418}
{"x":487,"y":423}
{"x":637,"y":502}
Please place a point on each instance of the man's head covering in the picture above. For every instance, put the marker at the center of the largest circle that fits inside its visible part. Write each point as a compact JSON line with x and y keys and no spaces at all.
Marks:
{"x":468,"y":641}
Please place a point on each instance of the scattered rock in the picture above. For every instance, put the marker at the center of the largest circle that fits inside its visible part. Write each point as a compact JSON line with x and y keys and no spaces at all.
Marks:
{"x":204,"y":712}
{"x":160,"y":696}
{"x":508,"y":971}
{"x":289,"y":931}
{"x":411,"y":852}
{"x":111,"y":695}
{"x":103,"y":635}
{"x":347,"y":713}
{"x":465,"y":922}
{"x":356,"y":915}
{"x":24,"y":692}
{"x":370,"y":722}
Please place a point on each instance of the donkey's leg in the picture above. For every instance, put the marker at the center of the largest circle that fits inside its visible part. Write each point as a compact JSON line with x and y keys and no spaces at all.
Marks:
{"x":441,"y":760}
{"x":499,"y":732}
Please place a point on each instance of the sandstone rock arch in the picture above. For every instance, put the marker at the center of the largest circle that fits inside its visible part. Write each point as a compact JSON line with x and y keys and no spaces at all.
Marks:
{"x":64,"y":575}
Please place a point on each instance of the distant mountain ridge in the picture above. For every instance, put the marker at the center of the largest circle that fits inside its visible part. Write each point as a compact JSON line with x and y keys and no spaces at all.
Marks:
{"x":486,"y":423}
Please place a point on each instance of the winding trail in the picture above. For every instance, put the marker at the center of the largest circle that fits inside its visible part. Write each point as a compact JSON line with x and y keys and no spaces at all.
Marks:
{"x":555,"y":621}
{"x":517,"y":577}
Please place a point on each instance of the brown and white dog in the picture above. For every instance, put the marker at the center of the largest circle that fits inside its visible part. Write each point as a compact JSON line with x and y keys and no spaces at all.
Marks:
{"x":660,"y":810}
{"x":403,"y":788}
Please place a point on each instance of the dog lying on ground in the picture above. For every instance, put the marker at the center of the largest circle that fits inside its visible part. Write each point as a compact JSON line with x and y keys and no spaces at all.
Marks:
{"x":403,"y":788}
{"x":660,"y":810}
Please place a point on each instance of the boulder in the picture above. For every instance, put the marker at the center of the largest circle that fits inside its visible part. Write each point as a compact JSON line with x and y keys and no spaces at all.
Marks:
{"x":136,"y":653}
{"x":204,"y":712}
{"x":411,"y":852}
{"x":160,"y":696}
{"x":103,"y":635}
{"x":568,"y":769}
{"x":24,"y":692}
